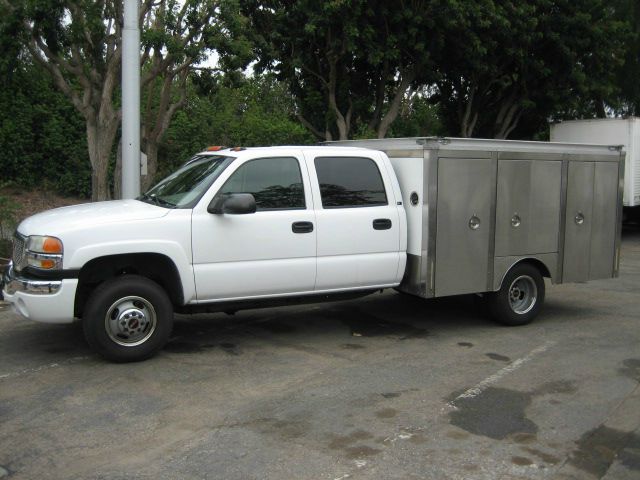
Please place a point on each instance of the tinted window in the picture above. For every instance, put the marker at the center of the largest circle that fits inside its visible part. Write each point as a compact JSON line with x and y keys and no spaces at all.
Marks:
{"x":349,"y":182}
{"x":183,"y":188}
{"x":276,"y":183}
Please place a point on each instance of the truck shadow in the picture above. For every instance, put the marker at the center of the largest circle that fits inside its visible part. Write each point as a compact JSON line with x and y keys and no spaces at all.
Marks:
{"x":390,"y":316}
{"x":43,"y":342}
{"x":631,"y":231}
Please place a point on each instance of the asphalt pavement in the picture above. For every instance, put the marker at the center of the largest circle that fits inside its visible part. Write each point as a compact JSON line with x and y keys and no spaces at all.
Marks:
{"x":384,"y":387}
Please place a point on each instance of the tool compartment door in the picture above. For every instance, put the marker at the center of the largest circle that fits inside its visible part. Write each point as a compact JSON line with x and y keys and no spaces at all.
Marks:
{"x":528,"y":207}
{"x":590,"y":226}
{"x":466,"y":187}
{"x":603,"y":230}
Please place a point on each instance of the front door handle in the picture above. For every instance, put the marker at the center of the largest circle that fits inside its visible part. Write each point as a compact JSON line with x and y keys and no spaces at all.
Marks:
{"x":381,"y":224}
{"x":302,"y":227}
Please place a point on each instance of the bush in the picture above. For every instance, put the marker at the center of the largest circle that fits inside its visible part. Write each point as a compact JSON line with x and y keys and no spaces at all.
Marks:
{"x":8,"y":218}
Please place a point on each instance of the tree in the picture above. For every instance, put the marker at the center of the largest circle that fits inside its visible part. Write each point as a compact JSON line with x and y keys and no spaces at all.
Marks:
{"x":42,"y":138}
{"x":511,"y":60}
{"x":626,"y":100}
{"x":231,"y":110}
{"x":351,"y":63}
{"x":79,"y":43}
{"x":418,"y":117}
{"x":175,"y":38}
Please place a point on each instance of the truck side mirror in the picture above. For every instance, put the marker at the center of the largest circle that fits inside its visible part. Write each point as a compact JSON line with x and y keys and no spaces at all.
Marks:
{"x":232,"y":204}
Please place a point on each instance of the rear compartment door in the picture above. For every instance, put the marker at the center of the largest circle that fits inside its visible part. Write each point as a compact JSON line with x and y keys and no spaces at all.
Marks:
{"x":590,"y":226}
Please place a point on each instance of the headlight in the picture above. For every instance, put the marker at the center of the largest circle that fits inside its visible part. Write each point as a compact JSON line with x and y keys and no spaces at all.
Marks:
{"x":44,"y":253}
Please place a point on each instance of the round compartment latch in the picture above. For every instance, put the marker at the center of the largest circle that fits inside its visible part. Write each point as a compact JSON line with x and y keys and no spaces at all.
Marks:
{"x":579,"y":218}
{"x":474,"y":223}
{"x":413,"y":198}
{"x":515,"y":221}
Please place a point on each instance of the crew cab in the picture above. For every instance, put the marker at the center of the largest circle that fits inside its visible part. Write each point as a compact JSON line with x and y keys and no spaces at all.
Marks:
{"x":257,"y":227}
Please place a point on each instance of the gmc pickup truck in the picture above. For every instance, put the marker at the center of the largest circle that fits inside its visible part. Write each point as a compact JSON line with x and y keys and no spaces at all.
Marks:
{"x":257,"y":227}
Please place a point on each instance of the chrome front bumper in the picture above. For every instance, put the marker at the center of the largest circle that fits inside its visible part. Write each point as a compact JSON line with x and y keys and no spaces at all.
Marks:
{"x":49,"y":301}
{"x":12,"y":283}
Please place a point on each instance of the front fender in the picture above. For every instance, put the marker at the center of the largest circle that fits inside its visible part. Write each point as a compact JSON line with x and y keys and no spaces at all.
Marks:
{"x":169,"y":236}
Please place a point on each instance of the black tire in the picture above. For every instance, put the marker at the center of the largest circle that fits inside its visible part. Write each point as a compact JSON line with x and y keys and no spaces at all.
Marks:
{"x":520,"y":298}
{"x":140,"y":318}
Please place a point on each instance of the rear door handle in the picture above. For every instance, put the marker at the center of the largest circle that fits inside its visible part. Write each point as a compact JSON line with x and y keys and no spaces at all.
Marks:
{"x":302,"y":227}
{"x":381,"y":224}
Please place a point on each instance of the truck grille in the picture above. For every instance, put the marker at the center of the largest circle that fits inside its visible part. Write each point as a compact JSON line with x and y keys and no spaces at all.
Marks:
{"x":19,"y":258}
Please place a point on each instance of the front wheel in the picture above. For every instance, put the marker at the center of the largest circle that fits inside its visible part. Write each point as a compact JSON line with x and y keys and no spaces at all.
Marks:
{"x":520,"y":298}
{"x":128,"y":318}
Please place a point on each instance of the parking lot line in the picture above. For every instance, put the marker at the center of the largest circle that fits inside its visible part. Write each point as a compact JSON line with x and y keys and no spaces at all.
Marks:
{"x":490,"y":380}
{"x":27,"y":371}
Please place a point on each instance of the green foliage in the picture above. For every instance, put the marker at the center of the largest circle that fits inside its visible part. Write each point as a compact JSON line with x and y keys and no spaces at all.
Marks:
{"x":8,"y":211}
{"x":626,"y":100}
{"x":347,"y":60}
{"x":501,"y":67}
{"x":255,"y":111}
{"x":497,"y":67}
{"x":419,"y":118}
{"x":42,"y":137}
{"x":514,"y":64}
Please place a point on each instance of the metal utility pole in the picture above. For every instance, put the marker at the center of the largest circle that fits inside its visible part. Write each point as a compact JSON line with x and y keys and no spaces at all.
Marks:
{"x":130,"y":101}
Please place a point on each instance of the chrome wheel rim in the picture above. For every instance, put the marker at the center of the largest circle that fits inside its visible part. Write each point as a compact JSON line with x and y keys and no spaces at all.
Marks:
{"x":130,"y":321}
{"x":523,"y":294}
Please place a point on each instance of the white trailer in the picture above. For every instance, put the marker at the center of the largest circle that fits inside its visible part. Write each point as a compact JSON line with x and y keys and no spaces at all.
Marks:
{"x":609,"y":131}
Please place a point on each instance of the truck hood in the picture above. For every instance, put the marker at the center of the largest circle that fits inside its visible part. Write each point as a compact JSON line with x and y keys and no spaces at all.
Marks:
{"x":86,"y":215}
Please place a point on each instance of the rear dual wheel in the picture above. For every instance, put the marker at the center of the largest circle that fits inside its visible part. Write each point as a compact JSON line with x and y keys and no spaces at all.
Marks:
{"x":520,"y":298}
{"x":128,"y":318}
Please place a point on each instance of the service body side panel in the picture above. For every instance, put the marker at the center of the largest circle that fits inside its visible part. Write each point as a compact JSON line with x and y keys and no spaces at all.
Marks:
{"x":408,"y":167}
{"x":409,"y":171}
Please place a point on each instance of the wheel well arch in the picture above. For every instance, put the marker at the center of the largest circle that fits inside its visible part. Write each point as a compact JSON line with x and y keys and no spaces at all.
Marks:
{"x":155,"y":266}
{"x":540,"y":265}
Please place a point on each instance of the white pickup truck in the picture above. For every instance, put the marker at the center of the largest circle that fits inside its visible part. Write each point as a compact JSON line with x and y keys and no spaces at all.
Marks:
{"x":247,"y":228}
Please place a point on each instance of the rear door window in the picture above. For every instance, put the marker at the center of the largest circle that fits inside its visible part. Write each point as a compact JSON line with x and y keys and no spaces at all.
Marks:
{"x":348,"y":182}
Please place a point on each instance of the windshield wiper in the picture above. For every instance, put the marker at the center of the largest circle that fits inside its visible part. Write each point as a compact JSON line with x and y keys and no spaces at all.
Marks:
{"x":157,"y":200}
{"x":146,"y":196}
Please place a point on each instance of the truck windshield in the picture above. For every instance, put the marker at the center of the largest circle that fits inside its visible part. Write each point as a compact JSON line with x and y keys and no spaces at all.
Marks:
{"x":184,"y":187}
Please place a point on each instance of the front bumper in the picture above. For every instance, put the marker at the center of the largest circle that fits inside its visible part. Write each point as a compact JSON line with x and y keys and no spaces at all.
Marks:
{"x":12,"y":283}
{"x":49,"y":301}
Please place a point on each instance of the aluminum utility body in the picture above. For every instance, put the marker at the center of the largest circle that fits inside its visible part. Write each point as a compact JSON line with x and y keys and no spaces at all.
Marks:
{"x":610,"y":131}
{"x":485,"y":205}
{"x":258,"y":227}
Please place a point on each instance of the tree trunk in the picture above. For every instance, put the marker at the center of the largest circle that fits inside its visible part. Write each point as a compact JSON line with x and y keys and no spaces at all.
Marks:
{"x":100,"y":138}
{"x":342,"y":122}
{"x":469,"y":118}
{"x":601,"y":111}
{"x":394,"y":107}
{"x":508,"y":116}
